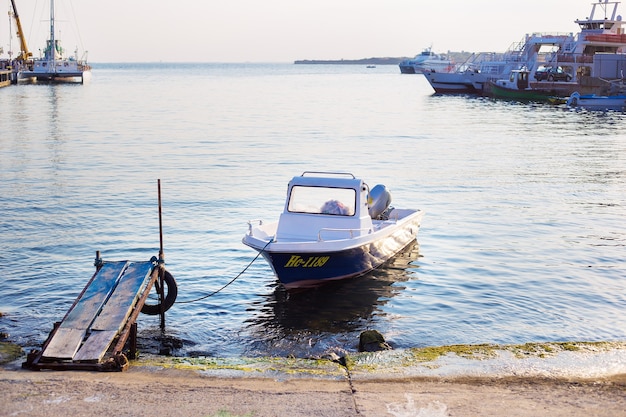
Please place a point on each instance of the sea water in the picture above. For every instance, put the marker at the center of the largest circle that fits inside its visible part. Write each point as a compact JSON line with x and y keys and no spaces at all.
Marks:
{"x":523,"y":241}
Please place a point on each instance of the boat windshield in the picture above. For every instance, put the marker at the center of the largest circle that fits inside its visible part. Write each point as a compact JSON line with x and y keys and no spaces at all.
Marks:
{"x":322,"y":200}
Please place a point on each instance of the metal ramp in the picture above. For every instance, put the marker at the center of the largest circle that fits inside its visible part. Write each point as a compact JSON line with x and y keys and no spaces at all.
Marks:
{"x":94,"y":331}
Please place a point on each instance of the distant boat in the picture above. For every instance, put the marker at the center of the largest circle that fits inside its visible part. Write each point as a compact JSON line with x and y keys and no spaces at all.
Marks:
{"x":426,"y":61}
{"x":596,"y":102}
{"x":54,"y":65}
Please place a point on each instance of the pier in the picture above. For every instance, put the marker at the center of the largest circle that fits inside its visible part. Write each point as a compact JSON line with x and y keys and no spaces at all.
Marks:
{"x":5,"y":77}
{"x":102,"y":319}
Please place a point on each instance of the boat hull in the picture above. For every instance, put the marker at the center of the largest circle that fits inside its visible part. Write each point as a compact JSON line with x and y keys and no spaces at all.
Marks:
{"x":406,"y":69}
{"x":65,"y":70}
{"x":455,"y":82}
{"x":310,"y":264}
{"x":597,"y":103}
{"x":497,"y":91}
{"x":68,"y":77}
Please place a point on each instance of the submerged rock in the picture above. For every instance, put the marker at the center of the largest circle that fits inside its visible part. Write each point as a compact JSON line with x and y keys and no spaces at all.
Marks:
{"x":372,"y":341}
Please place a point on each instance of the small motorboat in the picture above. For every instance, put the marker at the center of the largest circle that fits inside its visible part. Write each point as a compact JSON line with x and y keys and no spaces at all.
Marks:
{"x":332,"y":227}
{"x":596,"y":102}
{"x":517,"y":87}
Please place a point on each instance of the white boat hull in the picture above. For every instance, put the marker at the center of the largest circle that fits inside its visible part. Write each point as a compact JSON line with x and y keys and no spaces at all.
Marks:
{"x":456,"y":82}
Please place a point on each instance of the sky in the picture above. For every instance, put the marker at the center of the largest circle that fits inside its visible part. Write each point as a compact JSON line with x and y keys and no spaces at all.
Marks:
{"x":285,"y":30}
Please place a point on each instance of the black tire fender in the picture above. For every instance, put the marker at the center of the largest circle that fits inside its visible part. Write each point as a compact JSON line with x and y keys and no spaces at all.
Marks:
{"x":171,"y":292}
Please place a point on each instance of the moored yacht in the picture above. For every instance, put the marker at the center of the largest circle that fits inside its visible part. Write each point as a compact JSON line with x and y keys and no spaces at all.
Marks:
{"x":54,"y":65}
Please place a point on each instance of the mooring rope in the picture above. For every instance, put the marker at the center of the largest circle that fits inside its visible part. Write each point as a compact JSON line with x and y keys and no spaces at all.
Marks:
{"x":231,"y":281}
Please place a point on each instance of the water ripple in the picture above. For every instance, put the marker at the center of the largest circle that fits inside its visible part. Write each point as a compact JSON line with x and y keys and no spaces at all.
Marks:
{"x":523,"y":239}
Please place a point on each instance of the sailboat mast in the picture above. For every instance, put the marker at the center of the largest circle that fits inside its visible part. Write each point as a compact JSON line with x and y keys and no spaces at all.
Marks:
{"x":53,"y":47}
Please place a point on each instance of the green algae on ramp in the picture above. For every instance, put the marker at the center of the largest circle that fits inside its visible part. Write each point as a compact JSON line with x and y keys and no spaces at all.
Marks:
{"x":9,"y":352}
{"x":251,"y":367}
{"x":427,"y":354}
{"x":553,"y":359}
{"x":544,"y":350}
{"x":558,"y":359}
{"x":485,"y":351}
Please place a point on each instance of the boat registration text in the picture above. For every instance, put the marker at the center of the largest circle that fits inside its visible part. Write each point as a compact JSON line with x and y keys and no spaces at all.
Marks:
{"x":297,"y":261}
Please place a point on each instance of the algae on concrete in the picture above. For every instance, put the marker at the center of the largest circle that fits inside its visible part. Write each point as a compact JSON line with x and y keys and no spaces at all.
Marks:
{"x":9,"y":352}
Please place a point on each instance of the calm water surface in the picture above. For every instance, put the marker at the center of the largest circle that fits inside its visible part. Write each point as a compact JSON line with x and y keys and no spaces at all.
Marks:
{"x":523,"y":241}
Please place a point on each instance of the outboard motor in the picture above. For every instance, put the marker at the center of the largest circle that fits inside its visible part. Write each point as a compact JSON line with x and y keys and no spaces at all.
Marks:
{"x":378,"y":200}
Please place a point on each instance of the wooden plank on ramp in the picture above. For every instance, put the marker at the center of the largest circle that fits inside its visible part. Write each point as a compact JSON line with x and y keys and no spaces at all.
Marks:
{"x":72,"y":330}
{"x":115,"y":312}
{"x":64,"y":344}
{"x":95,"y":346}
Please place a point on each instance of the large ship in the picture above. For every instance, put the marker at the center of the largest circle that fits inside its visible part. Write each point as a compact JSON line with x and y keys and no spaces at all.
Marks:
{"x":592,"y":57}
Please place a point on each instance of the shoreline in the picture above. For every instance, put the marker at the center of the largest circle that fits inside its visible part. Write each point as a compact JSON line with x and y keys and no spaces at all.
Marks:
{"x":145,"y":391}
{"x":589,"y":380}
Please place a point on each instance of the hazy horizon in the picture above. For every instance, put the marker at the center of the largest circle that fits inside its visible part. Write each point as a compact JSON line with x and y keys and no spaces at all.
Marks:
{"x":279,"y":31}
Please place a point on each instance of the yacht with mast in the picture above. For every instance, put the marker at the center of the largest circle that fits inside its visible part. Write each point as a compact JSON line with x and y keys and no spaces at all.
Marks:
{"x":54,"y":65}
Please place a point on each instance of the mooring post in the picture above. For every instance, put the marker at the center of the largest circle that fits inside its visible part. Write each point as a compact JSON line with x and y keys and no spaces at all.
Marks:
{"x":132,"y":354}
{"x":161,"y":286}
{"x":161,"y":291}
{"x":98,"y":261}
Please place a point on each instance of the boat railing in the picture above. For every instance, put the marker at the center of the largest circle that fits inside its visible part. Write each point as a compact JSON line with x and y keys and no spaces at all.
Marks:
{"x":252,"y":223}
{"x":350,"y":231}
{"x":575,"y":58}
{"x":328,"y":174}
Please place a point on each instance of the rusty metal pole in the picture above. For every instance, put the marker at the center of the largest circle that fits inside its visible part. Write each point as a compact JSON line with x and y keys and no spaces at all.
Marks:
{"x":98,"y":261}
{"x":132,"y":354}
{"x":161,"y":266}
{"x":161,"y":255}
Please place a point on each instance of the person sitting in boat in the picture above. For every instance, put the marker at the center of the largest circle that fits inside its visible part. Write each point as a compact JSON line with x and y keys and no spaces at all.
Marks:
{"x":335,"y":207}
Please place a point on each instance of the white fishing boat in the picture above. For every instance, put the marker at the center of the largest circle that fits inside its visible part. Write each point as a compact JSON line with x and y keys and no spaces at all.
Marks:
{"x":54,"y":65}
{"x":595,"y":102}
{"x":594,"y":54}
{"x":426,"y":61}
{"x":332,"y":227}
